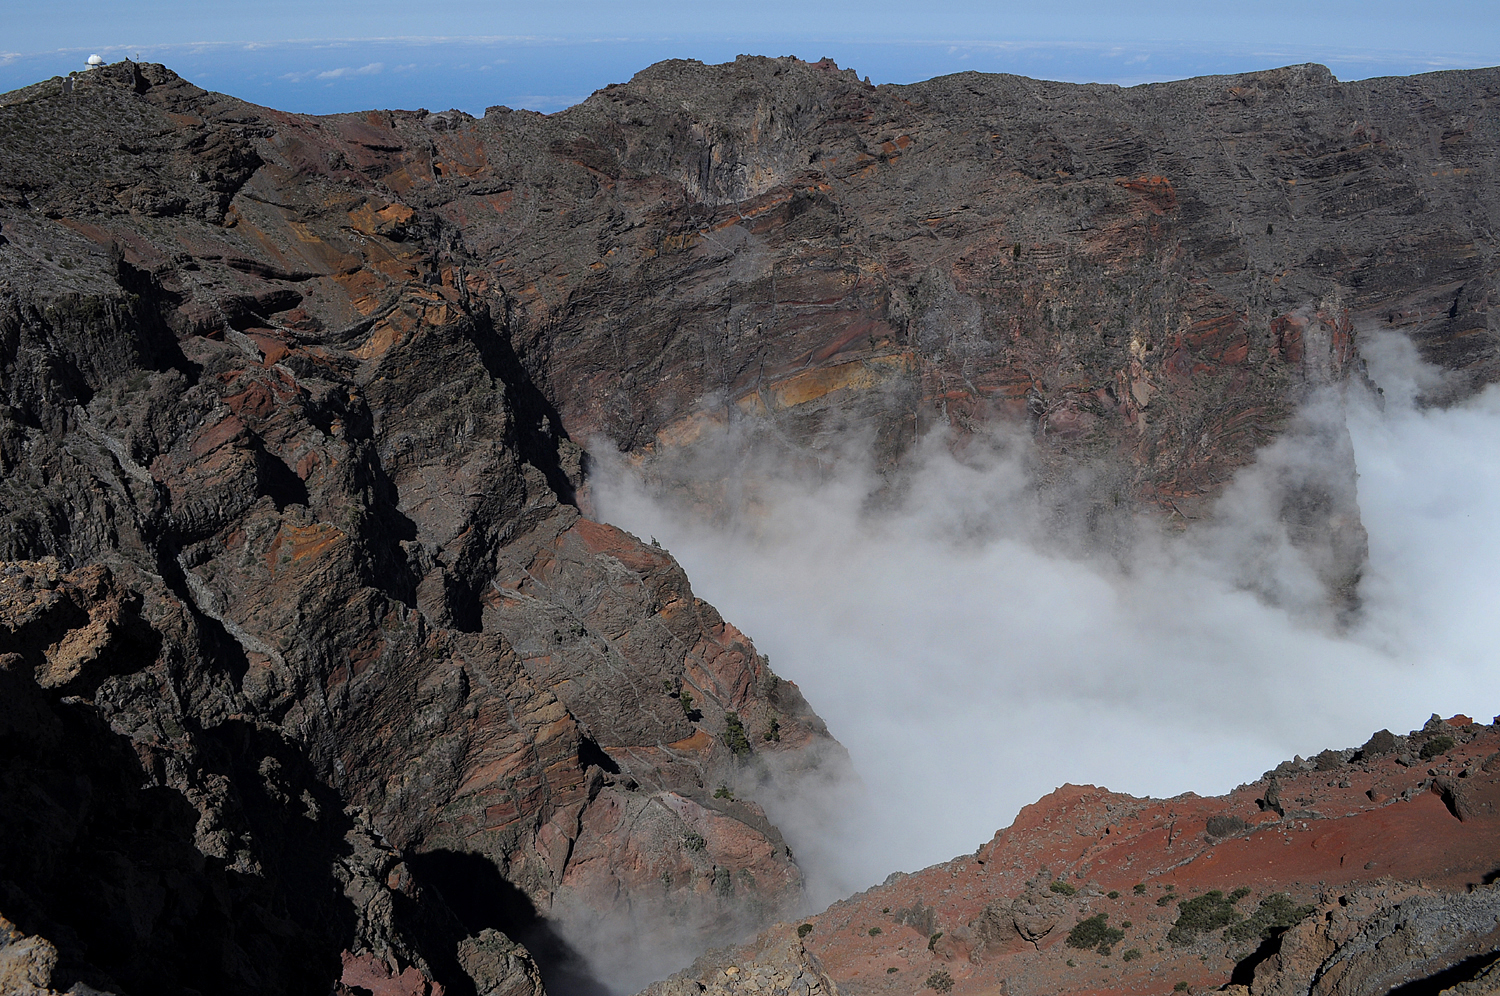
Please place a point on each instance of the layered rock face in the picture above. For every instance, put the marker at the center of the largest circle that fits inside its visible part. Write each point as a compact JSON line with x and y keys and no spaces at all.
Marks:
{"x":281,"y":420}
{"x":294,"y":403}
{"x":1361,"y":871}
{"x":1150,"y":278}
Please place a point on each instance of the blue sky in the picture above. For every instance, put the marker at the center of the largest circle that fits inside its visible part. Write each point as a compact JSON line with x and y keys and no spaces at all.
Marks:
{"x":332,"y":56}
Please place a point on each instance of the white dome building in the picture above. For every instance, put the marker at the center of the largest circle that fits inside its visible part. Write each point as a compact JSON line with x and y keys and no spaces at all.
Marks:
{"x":95,"y":61}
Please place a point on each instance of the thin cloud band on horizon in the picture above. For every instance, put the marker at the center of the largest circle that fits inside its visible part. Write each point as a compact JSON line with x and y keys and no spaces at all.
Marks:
{"x":1104,"y":49}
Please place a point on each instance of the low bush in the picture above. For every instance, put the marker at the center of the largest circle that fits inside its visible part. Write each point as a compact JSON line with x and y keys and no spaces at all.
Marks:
{"x":1094,"y":932}
{"x":940,"y":980}
{"x":1275,"y":915}
{"x":1062,"y":888}
{"x":1131,"y":954}
{"x":804,"y":930}
{"x":1440,"y":744}
{"x":1209,"y":911}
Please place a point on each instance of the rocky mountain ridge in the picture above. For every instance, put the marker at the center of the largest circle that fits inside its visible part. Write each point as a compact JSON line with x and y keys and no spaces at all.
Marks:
{"x":299,"y":570}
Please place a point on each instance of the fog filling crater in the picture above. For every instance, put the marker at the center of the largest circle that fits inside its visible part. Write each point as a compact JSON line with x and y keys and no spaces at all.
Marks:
{"x":973,"y":658}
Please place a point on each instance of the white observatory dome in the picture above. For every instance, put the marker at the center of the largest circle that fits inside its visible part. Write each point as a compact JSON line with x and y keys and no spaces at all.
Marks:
{"x":95,"y":61}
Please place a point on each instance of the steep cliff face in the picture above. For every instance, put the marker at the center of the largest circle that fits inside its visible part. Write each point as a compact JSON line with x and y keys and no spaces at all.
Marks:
{"x":1151,"y":278}
{"x":279,"y":414}
{"x":1361,"y":871}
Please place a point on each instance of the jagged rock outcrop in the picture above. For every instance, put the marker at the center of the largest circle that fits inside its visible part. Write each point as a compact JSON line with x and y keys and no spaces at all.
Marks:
{"x":1353,"y":872}
{"x":776,"y":964}
{"x":1379,"y":940}
{"x":147,"y":850}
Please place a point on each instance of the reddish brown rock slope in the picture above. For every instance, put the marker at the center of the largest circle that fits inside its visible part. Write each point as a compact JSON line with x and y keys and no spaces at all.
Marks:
{"x":1352,"y":872}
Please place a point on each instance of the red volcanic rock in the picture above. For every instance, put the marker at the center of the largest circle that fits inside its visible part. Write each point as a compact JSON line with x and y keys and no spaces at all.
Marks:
{"x":1349,"y":869}
{"x":368,"y":974}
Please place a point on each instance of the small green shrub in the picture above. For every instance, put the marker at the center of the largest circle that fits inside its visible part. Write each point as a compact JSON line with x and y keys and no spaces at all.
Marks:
{"x":1139,"y":889}
{"x":874,"y":931}
{"x":722,"y":792}
{"x":1062,"y":888}
{"x":1131,"y":954}
{"x":1209,"y":911}
{"x":804,"y":930}
{"x":1094,"y":932}
{"x":773,"y":731}
{"x":1275,"y":914}
{"x":1239,"y":894}
{"x":694,"y":841}
{"x":1071,"y":963}
{"x":940,"y":980}
{"x":1126,"y":925}
{"x":932,"y":941}
{"x":686,"y":698}
{"x":734,"y":734}
{"x":892,"y":970}
{"x":1165,"y":900}
{"x":1181,"y":987}
{"x":1112,"y":894}
{"x":1440,"y":744}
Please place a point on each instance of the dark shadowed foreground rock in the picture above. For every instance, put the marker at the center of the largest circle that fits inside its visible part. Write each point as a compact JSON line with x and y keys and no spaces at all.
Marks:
{"x":141,"y":851}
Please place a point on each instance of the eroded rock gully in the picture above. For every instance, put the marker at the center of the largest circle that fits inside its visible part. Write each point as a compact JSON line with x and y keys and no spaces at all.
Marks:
{"x":316,"y":668}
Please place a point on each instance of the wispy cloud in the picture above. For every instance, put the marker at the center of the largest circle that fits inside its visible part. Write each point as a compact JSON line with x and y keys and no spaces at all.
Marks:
{"x":368,"y":70}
